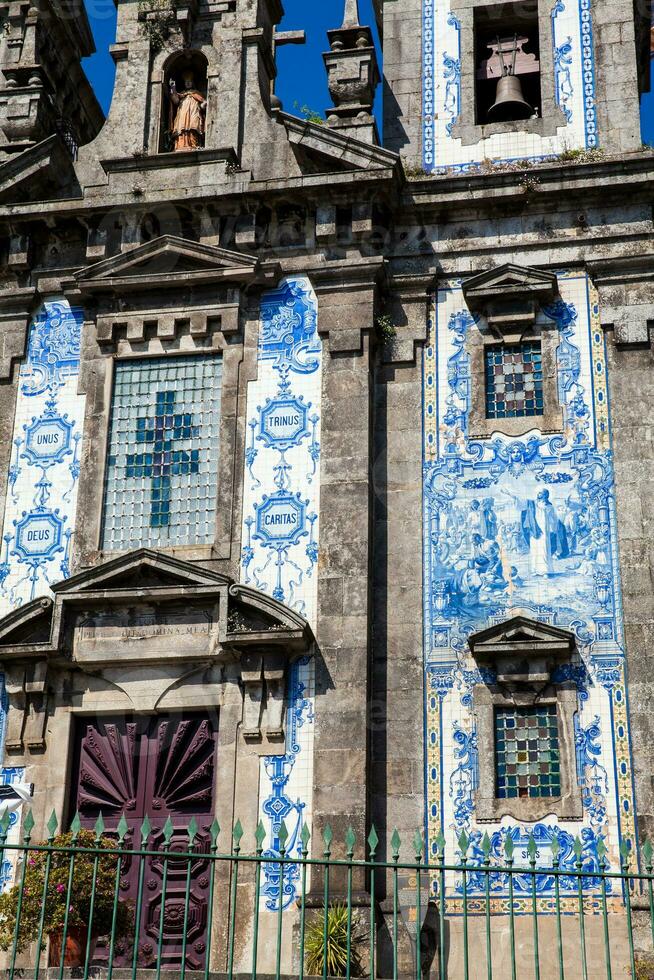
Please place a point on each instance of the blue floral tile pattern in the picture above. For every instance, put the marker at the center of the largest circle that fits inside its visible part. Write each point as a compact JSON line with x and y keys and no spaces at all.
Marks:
{"x":527,"y":756}
{"x":162,"y":468}
{"x":39,"y":516}
{"x":514,"y":380}
{"x":280,"y":545}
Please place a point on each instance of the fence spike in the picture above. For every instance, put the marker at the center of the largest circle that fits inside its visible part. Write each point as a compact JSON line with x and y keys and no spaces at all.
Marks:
{"x":76,"y":825}
{"x":237,"y":833}
{"x":578,"y":847}
{"x":99,"y":826}
{"x":327,"y":836}
{"x":486,"y":845}
{"x":418,"y":845}
{"x":350,"y":842}
{"x":122,"y":828}
{"x":625,"y":852}
{"x":602,"y":850}
{"x":396,"y":843}
{"x":373,"y":841}
{"x":532,"y":849}
{"x":464,"y":842}
{"x":282,"y":837}
{"x":146,"y":827}
{"x":555,"y":847}
{"x":192,"y":831}
{"x":52,"y":825}
{"x":440,"y":843}
{"x":648,"y":851}
{"x":168,"y":830}
{"x":509,"y":846}
{"x":260,"y":836}
{"x":215,"y":832}
{"x":5,"y":820}
{"x":28,"y":826}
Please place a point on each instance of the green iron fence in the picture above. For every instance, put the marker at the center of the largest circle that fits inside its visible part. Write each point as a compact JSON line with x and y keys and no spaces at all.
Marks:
{"x":130,"y":899}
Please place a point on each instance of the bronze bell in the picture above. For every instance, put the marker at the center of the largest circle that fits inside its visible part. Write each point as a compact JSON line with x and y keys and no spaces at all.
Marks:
{"x":509,"y":101}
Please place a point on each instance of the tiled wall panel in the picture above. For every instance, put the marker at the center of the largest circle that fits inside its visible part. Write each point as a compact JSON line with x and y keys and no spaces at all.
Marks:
{"x":39,"y":518}
{"x":486,"y":489}
{"x":281,"y":525}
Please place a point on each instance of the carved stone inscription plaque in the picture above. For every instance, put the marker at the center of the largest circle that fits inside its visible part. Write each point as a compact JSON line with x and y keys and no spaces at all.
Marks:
{"x":145,"y":632}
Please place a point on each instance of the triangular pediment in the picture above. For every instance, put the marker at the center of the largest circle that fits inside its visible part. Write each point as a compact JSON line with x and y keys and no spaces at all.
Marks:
{"x":253,"y":612}
{"x":510,"y":280}
{"x":523,"y":636}
{"x":142,"y":569}
{"x":168,"y":261}
{"x":29,"y":626}
{"x":332,"y":151}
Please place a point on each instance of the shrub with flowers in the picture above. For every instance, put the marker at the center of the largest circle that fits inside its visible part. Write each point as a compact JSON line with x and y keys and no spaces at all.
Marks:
{"x":56,"y":898}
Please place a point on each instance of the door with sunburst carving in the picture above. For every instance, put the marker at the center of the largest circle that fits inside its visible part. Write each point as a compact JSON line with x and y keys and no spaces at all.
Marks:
{"x":160,"y":767}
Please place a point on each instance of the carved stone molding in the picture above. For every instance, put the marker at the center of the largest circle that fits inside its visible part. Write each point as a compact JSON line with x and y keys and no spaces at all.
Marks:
{"x":16,"y":307}
{"x":27,"y":718}
{"x":148,"y":610}
{"x":348,"y":298}
{"x":509,"y":297}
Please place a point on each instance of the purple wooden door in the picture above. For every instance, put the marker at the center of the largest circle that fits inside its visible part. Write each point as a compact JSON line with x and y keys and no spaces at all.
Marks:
{"x":159,"y":766}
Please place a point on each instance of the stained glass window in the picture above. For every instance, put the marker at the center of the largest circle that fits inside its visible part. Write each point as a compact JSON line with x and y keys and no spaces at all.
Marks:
{"x":514,"y":380}
{"x":162,"y":469}
{"x":527,"y":755}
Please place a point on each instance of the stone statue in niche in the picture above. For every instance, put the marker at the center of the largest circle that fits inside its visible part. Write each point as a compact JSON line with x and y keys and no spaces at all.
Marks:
{"x":187,"y":114}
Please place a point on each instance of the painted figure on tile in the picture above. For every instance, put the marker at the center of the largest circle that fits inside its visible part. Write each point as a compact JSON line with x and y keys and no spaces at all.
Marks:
{"x":187,"y":114}
{"x":542,"y":530}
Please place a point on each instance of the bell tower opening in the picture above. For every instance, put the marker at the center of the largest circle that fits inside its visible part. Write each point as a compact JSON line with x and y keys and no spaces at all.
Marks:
{"x":184,"y":105}
{"x":507,"y":60}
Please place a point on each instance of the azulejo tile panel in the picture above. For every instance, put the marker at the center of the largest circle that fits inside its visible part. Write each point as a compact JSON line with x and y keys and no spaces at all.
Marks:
{"x":39,"y":518}
{"x":573,"y":64}
{"x":281,"y":499}
{"x":161,"y":477}
{"x":482,"y":565}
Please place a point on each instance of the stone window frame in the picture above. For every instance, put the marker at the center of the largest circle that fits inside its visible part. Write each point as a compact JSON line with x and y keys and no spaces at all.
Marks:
{"x":488,"y":806}
{"x":466,"y":128}
{"x":93,"y":470}
{"x":480,"y":337}
{"x":517,"y":659}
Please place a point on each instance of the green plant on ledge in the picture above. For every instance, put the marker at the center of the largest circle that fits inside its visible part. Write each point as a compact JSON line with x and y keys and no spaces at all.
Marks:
{"x":157,"y":19}
{"x":332,"y":953}
{"x":311,"y":115}
{"x":48,"y":890}
{"x":386,"y":329}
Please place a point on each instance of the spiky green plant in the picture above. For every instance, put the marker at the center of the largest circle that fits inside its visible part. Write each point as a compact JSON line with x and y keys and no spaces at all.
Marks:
{"x":335,"y":951}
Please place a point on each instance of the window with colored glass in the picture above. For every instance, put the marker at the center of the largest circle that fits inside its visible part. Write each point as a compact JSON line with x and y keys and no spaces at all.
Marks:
{"x":514,"y":380}
{"x":161,"y":477}
{"x":527,"y":754}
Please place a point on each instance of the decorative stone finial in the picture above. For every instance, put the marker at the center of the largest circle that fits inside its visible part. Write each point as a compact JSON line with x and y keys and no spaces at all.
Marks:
{"x":352,"y":75}
{"x":351,"y":18}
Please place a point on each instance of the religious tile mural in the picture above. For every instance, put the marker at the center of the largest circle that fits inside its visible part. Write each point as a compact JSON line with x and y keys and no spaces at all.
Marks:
{"x":161,"y":478}
{"x":524,"y":526}
{"x":573,"y":65}
{"x":39,"y":518}
{"x":281,"y":497}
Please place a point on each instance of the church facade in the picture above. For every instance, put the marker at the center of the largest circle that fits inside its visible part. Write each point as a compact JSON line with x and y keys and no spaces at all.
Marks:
{"x":326,"y":464}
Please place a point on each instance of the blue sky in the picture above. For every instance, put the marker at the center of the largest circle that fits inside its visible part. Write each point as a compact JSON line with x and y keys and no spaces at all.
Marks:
{"x":301,"y":78}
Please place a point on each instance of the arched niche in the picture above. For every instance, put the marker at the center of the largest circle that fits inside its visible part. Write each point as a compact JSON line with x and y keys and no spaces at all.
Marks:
{"x":185,"y":68}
